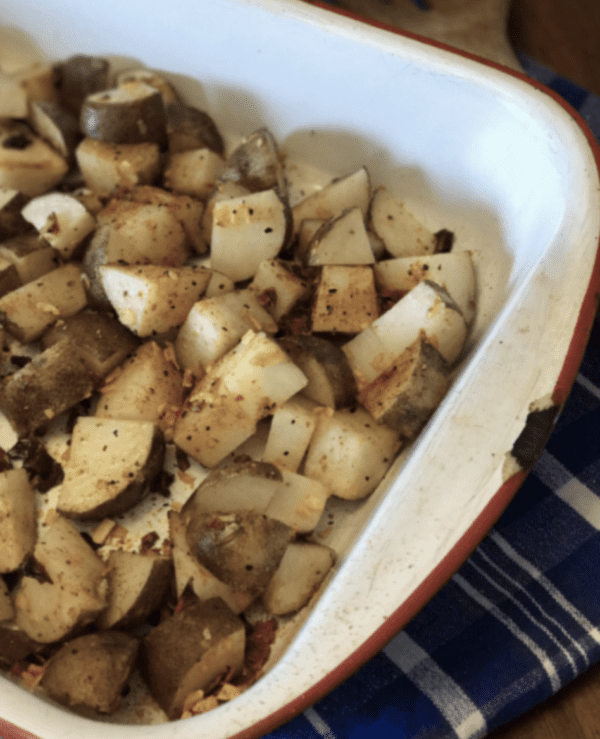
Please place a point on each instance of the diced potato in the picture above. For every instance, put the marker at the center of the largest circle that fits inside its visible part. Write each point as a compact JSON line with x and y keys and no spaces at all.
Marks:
{"x":242,"y":548}
{"x":247,"y":384}
{"x":189,"y":649}
{"x":256,"y":225}
{"x":106,"y":166}
{"x":341,"y":240}
{"x":15,"y":645}
{"x":79,"y":76}
{"x":31,"y":256}
{"x":37,"y":82}
{"x":61,"y":220}
{"x":215,"y":325}
{"x":242,"y":483}
{"x":18,"y":524}
{"x":31,"y":309}
{"x":427,"y":310}
{"x":223,"y":191}
{"x":147,"y":387}
{"x":406,"y":395}
{"x":57,"y":126}
{"x":91,"y":671}
{"x":12,"y":222}
{"x":132,"y":113}
{"x":291,"y":429}
{"x":13,"y":99}
{"x":452,"y":270}
{"x":9,"y":277}
{"x":189,"y":127}
{"x":402,"y":233}
{"x":74,"y":593}
{"x":193,"y":172}
{"x":299,"y":503}
{"x":353,"y":190}
{"x":112,"y":466}
{"x":350,"y":452}
{"x":331,"y":382}
{"x":54,"y":381}
{"x":152,"y":78}
{"x":151,"y":299}
{"x":280,"y":285}
{"x":101,"y":339}
{"x":303,"y":568}
{"x":190,"y":573}
{"x":138,"y":584}
{"x":346,"y":299}
{"x":256,"y":163}
{"x":27,"y":163}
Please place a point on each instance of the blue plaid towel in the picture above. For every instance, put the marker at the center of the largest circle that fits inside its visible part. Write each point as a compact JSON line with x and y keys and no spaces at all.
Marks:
{"x":521,"y":618}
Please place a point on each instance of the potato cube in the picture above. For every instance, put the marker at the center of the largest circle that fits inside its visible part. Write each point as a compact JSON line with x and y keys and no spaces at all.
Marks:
{"x":346,"y":299}
{"x":18,"y":524}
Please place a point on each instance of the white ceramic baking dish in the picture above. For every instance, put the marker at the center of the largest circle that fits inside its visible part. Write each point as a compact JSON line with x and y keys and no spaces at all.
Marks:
{"x":474,"y":149}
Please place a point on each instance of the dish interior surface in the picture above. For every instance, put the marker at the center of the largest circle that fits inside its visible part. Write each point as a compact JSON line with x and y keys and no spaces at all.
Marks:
{"x":469,"y":148}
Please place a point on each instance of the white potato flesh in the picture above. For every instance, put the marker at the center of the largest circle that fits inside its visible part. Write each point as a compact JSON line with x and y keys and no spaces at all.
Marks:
{"x":150,"y":299}
{"x":146,"y":387}
{"x":353,"y":190}
{"x":215,"y":325}
{"x":247,"y":384}
{"x":350,"y":452}
{"x":61,"y":220}
{"x":426,"y":310}
{"x":279,"y":286}
{"x":76,"y":593}
{"x":346,"y":299}
{"x":18,"y":523}
{"x":32,"y":168}
{"x":219,"y":284}
{"x":34,"y":307}
{"x":106,"y":457}
{"x":291,"y":429}
{"x":105,"y":166}
{"x":13,"y":100}
{"x":254,"y":226}
{"x":343,"y":240}
{"x":299,"y":503}
{"x":193,"y":172}
{"x":453,"y":271}
{"x":401,"y":232}
{"x":303,"y":568}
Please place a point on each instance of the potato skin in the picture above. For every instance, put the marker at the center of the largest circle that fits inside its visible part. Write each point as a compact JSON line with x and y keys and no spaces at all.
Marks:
{"x":91,"y":670}
{"x":189,"y":650}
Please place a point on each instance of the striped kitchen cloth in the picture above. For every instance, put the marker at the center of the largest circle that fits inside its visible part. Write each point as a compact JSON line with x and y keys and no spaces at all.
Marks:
{"x":521,"y":618}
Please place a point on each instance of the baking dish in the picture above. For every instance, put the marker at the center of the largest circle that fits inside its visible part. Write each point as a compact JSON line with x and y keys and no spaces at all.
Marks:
{"x":472,"y":148}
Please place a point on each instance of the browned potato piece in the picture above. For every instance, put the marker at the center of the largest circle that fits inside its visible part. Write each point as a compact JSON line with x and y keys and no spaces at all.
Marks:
{"x":9,"y":277}
{"x":57,"y":126}
{"x":303,"y":568}
{"x":91,"y":670}
{"x":242,"y":548}
{"x":256,"y":164}
{"x":112,"y":466}
{"x":32,"y":256}
{"x":132,"y":113}
{"x":189,"y":650}
{"x":407,"y":394}
{"x":78,"y":77}
{"x":18,"y":525}
{"x":72,"y":591}
{"x":11,"y":220}
{"x":137,"y":585}
{"x":331,"y":382}
{"x":101,"y":338}
{"x":54,"y":381}
{"x":190,"y":128}
{"x":7,"y":611}
{"x":15,"y":645}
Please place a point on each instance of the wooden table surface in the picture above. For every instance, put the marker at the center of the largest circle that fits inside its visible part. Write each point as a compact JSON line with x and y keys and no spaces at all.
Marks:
{"x":565,"y":36}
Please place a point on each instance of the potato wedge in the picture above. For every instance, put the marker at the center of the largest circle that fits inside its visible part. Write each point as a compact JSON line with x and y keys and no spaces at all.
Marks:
{"x":74,"y":591}
{"x":91,"y":671}
{"x":189,"y":650}
{"x":137,"y":586}
{"x":112,"y":466}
